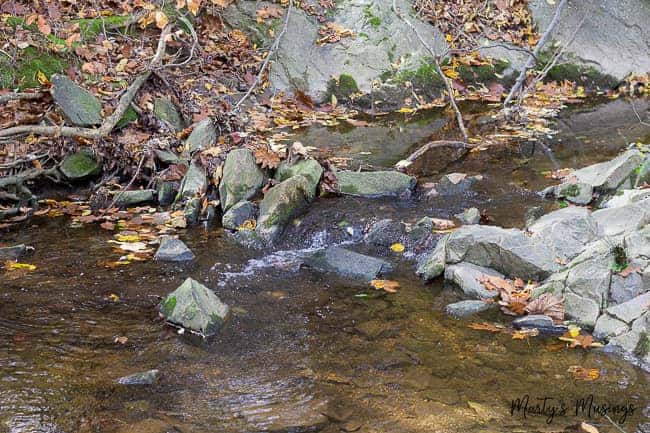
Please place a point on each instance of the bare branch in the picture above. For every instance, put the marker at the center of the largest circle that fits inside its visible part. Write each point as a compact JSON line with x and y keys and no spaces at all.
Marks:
{"x":272,"y":50}
{"x":20,"y":96}
{"x":445,"y":79}
{"x":531,"y":59}
{"x":460,"y":145}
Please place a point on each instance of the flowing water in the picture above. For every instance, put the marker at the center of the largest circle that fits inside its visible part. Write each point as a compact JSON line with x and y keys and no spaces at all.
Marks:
{"x":304,"y":351}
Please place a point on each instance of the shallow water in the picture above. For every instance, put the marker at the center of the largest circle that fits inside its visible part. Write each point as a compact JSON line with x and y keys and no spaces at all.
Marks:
{"x":303,"y":351}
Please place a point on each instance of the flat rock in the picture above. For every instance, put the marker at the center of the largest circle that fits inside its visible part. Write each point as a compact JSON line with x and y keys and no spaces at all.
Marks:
{"x":373,"y":184}
{"x":166,"y":112}
{"x":468,"y":276}
{"x":349,"y":263}
{"x":79,"y":106}
{"x":142,"y":378}
{"x":508,"y":251}
{"x":134,"y":197}
{"x":623,"y":289}
{"x":466,"y":308}
{"x":623,"y":219}
{"x":79,"y":166}
{"x":238,"y":214}
{"x":166,"y":156}
{"x":566,"y":231}
{"x":281,"y":204}
{"x":204,"y":135}
{"x":583,"y":310}
{"x":625,"y":197}
{"x":637,"y":243}
{"x":242,"y":178}
{"x":385,"y":232}
{"x":608,"y":326}
{"x":173,"y":250}
{"x":456,"y":183}
{"x":13,"y":252}
{"x":631,"y":310}
{"x":608,"y":175}
{"x":630,"y":340}
{"x":541,"y":322}
{"x":195,"y":307}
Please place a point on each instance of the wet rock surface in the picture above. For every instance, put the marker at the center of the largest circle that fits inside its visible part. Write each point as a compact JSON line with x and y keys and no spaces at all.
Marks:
{"x":172,"y":249}
{"x":79,"y":106}
{"x":143,"y":378}
{"x":79,"y":166}
{"x":242,"y":178}
{"x":349,"y":263}
{"x":372,"y":184}
{"x":466,"y":308}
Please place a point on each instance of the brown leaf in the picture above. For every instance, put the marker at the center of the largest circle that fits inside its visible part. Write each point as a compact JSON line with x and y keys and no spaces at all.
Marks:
{"x":630,"y":269}
{"x":266,"y":158}
{"x":582,"y":373}
{"x":548,"y":305}
{"x":386,"y":285}
{"x":486,"y":326}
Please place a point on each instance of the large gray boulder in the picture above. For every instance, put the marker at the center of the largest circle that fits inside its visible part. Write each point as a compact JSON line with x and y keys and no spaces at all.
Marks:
{"x":631,"y":310}
{"x":508,"y":251}
{"x":281,"y":204}
{"x":203,"y":136}
{"x":468,"y":276}
{"x":310,"y":168}
{"x":349,"y":263}
{"x":373,"y":184}
{"x":79,"y":166}
{"x":242,"y":178}
{"x":625,"y":197}
{"x":566,"y":231}
{"x":623,"y":219}
{"x":194,"y":307}
{"x":608,"y":175}
{"x":79,"y":106}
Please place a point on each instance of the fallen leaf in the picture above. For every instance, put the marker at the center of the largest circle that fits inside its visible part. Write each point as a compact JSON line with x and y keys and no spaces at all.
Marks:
{"x":549,"y":305}
{"x":486,"y":326}
{"x":247,"y":225}
{"x":397,"y":247}
{"x":113,"y":297}
{"x":587,"y":428}
{"x":25,"y":266}
{"x":523,"y":334}
{"x":386,"y":285}
{"x":581,"y":373}
{"x":121,"y":340}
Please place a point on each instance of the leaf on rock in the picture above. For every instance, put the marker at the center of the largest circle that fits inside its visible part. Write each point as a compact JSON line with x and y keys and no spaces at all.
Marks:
{"x":266,"y":158}
{"x":397,"y":247}
{"x":549,"y":305}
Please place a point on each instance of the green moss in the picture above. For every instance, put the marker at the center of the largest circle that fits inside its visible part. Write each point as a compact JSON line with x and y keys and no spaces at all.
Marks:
{"x":424,"y":76}
{"x":343,"y":88}
{"x":31,"y":61}
{"x":371,"y":18}
{"x":129,"y":116}
{"x":620,"y":259}
{"x":587,"y":76}
{"x":482,"y":73}
{"x":571,"y":190}
{"x":90,"y":28}
{"x":168,"y":306}
{"x":643,"y":346}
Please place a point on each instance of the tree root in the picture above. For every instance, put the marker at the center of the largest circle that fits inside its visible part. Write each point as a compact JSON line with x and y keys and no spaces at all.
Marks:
{"x":20,"y":96}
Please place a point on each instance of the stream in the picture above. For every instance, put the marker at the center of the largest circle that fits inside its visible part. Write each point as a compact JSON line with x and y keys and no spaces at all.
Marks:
{"x":307,"y":351}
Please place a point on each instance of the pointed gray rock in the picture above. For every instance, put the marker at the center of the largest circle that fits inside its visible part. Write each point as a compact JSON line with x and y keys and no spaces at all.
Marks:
{"x":242,"y":178}
{"x":281,"y":204}
{"x":79,"y":106}
{"x":609,"y":175}
{"x":466,"y":308}
{"x":203,"y":136}
{"x":173,"y":250}
{"x":468,"y":276}
{"x":349,"y":263}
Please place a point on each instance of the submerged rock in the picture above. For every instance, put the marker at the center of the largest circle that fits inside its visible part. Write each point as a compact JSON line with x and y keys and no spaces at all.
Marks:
{"x":467,"y":308}
{"x":166,"y":111}
{"x":143,"y":378}
{"x":133,"y":197}
{"x":79,"y":106}
{"x":173,"y":250}
{"x":456,"y":183}
{"x":373,"y":184}
{"x":281,"y":204}
{"x":13,"y":252}
{"x":310,"y":168}
{"x":541,"y":322}
{"x":242,"y":178}
{"x":349,"y":263}
{"x":203,"y":136}
{"x":238,"y":214}
{"x":195,"y":307}
{"x":385,"y":232}
{"x":79,"y":166}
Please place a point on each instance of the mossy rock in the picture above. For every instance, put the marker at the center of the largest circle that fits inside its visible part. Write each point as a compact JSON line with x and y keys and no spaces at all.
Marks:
{"x":166,"y":111}
{"x":79,"y":166}
{"x":343,"y":88}
{"x":31,"y":61}
{"x":482,"y":73}
{"x":129,"y":116}
{"x":79,"y":106}
{"x":425,"y":76}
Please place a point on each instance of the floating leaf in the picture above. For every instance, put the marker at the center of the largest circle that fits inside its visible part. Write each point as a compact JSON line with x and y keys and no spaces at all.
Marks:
{"x":581,"y":373}
{"x":397,"y":247}
{"x":386,"y":285}
{"x":24,"y":266}
{"x":486,"y":326}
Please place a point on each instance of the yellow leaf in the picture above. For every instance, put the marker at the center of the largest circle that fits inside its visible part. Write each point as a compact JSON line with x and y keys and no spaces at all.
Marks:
{"x":42,"y":78}
{"x":451,"y":73}
{"x":193,"y":6}
{"x":574,"y":331}
{"x":406,"y":110}
{"x":386,"y":285}
{"x":22,"y":266}
{"x":161,"y":19}
{"x":113,"y":297}
{"x":397,"y":247}
{"x":247,"y":225}
{"x":127,"y":238}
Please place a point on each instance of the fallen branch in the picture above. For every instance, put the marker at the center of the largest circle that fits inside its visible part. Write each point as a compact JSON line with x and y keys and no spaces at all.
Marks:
{"x":531,"y":59}
{"x":272,"y":50}
{"x":459,"y":145}
{"x":445,"y":79}
{"x":34,"y":173}
{"x":112,"y":120}
{"x":20,"y":96}
{"x":22,"y":161}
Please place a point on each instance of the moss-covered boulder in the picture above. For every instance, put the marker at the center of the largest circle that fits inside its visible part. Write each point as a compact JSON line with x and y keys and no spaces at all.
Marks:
{"x":239,"y":214}
{"x":310,"y":168}
{"x":203,"y":136}
{"x":242,"y":178}
{"x":281,"y":204}
{"x":374,"y":183}
{"x":79,"y":166}
{"x":166,"y":112}
{"x":195,"y":307}
{"x":79,"y":106}
{"x":194,"y":183}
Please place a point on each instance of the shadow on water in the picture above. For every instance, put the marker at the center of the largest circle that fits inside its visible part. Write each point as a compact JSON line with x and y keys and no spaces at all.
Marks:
{"x":304,"y":351}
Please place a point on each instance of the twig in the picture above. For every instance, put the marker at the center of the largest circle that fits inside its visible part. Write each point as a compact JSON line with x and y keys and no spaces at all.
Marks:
{"x":28,"y":175}
{"x":18,"y":96}
{"x":272,"y":50}
{"x":508,"y":47}
{"x":428,"y":146}
{"x":614,"y":424}
{"x":636,"y":113}
{"x":531,"y":59}
{"x":436,"y":59}
{"x":195,"y":42}
{"x":22,"y":161}
{"x":128,"y":185}
{"x":112,"y":120}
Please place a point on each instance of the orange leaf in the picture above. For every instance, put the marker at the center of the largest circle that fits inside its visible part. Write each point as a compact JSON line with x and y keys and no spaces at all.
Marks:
{"x":193,"y":6}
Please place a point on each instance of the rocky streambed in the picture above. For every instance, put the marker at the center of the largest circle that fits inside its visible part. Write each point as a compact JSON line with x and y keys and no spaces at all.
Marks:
{"x":300,"y":341}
